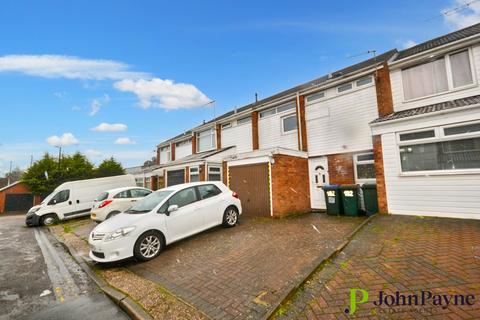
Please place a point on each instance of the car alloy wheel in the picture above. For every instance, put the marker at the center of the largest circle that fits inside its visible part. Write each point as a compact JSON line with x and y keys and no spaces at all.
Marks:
{"x":150,"y":246}
{"x":231,"y":217}
{"x":48,"y":220}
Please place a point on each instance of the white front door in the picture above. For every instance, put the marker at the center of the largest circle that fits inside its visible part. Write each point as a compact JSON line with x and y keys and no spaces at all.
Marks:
{"x":318,"y":170}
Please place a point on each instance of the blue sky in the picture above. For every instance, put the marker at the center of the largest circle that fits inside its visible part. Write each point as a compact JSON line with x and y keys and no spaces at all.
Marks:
{"x":67,"y":67}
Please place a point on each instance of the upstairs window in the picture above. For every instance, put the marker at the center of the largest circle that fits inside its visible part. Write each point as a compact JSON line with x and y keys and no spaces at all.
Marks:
{"x":244,"y":120}
{"x":226,"y":125}
{"x":364,"y":81}
{"x":289,"y":123}
{"x":315,"y":96}
{"x":344,"y":87}
{"x":206,"y":140}
{"x":446,"y":73}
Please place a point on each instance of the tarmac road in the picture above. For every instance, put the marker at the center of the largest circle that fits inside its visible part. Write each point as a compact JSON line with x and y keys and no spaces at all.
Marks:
{"x":40,"y":280}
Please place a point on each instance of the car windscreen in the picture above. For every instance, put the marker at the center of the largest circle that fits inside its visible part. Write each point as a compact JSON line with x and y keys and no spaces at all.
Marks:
{"x":102,"y":196}
{"x":148,"y":203}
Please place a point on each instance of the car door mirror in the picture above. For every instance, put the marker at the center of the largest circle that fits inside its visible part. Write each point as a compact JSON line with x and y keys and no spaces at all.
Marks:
{"x":172,"y":208}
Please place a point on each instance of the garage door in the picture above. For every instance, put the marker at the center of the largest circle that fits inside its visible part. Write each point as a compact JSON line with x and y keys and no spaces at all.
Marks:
{"x":18,"y":201}
{"x":252,"y":185}
{"x":175,"y":177}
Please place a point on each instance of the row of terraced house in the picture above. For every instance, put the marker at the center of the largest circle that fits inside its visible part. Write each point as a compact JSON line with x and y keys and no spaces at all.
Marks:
{"x":408,"y":120}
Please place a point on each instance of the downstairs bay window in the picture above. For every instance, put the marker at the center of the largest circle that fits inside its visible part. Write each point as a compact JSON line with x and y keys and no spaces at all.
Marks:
{"x":452,"y":148}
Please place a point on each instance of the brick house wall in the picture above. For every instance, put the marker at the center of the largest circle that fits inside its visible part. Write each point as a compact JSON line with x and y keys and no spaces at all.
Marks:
{"x":290,"y":185}
{"x":187,"y":174}
{"x":194,"y":143}
{"x":384,"y":91}
{"x":218,"y":132}
{"x":340,"y":168}
{"x":158,"y":156}
{"x":380,"y":174}
{"x":17,"y":188}
{"x":225,"y":173}
{"x":302,"y":133}
{"x":172,"y":151}
{"x":201,"y":172}
{"x":153,"y":183}
{"x":255,"y":142}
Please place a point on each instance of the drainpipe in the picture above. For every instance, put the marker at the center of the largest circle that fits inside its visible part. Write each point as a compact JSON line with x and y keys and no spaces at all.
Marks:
{"x":299,"y":122}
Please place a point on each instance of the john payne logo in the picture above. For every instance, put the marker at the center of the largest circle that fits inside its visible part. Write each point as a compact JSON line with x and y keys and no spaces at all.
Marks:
{"x":360,"y":296}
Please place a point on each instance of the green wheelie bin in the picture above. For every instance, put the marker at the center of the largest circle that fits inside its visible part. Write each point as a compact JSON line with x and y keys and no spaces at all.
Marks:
{"x":333,"y":199}
{"x":350,"y":199}
{"x":370,"y":199}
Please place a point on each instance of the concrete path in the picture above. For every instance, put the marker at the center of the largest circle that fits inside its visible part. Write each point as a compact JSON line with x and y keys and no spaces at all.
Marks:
{"x":39,"y":279}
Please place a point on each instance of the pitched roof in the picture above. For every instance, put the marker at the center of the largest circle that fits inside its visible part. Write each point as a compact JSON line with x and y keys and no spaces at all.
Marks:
{"x":316,"y":82}
{"x":457,"y":103}
{"x":439,"y":41}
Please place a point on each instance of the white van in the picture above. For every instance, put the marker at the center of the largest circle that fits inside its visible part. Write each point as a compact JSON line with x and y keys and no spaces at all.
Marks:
{"x":74,"y":199}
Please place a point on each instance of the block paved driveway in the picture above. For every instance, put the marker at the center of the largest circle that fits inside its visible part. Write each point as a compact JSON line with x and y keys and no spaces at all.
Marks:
{"x":397,"y":253}
{"x":242,"y":272}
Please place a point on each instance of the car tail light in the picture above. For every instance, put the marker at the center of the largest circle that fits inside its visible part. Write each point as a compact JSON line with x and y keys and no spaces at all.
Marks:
{"x":235,"y":195}
{"x":105,"y":203}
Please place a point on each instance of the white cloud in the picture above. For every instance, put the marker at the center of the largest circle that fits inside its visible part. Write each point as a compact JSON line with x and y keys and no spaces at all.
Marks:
{"x":60,"y":94}
{"x":165,"y":94}
{"x":110,"y":127}
{"x":65,"y":140}
{"x":93,"y":153}
{"x":97,"y":103}
{"x":58,"y":66}
{"x":407,"y":44}
{"x":464,"y":16}
{"x":124,"y":140}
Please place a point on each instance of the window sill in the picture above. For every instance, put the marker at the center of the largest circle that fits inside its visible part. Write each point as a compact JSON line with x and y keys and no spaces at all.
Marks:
{"x":289,"y":132}
{"x":439,"y":173}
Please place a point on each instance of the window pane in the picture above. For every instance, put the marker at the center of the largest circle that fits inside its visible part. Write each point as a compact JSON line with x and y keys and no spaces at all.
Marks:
{"x":344,"y":87}
{"x":208,"y":191}
{"x":226,"y":125}
{"x":244,"y":120}
{"x":193,"y":169}
{"x":462,"y":129}
{"x":448,"y":155}
{"x":123,"y":195}
{"x":365,"y":157}
{"x":104,"y":195}
{"x":425,"y":79}
{"x":183,"y":198}
{"x":214,"y":169}
{"x":266,"y":113}
{"x":461,"y":72}
{"x":138,"y":193}
{"x":205,"y":142}
{"x":214,"y":177}
{"x":364,"y":81}
{"x":289,"y":123}
{"x":366,"y":171}
{"x":194,"y":178}
{"x":417,"y":135}
{"x":315,"y":96}
{"x":286,"y":107}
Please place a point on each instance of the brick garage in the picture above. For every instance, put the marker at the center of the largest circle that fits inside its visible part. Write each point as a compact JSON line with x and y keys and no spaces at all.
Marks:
{"x":17,"y":197}
{"x":281,"y":174}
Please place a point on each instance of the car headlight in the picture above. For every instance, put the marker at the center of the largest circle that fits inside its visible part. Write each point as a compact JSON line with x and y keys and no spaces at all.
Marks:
{"x":119,"y":233}
{"x":30,"y":212}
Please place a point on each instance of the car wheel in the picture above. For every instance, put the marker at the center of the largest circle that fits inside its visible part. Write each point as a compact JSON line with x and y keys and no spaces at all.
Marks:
{"x":112,"y":214}
{"x":230,"y":217}
{"x":148,"y":246}
{"x":48,"y":219}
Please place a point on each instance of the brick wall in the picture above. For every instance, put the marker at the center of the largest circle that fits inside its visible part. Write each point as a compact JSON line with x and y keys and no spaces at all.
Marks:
{"x":255,"y":130}
{"x":201,"y":172}
{"x":218,"y":132}
{"x":158,"y":155}
{"x":194,"y":143}
{"x":290,"y":185}
{"x":153,"y":183}
{"x":340,"y":169}
{"x":172,"y":151}
{"x":187,"y":174}
{"x":17,"y":188}
{"x":380,"y":175}
{"x":384,"y":91}
{"x":225,"y":173}
{"x":302,"y":133}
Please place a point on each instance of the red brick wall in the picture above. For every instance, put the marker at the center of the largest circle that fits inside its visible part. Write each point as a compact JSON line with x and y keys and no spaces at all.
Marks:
{"x":194,"y":143}
{"x":158,"y":155}
{"x":225,"y":173}
{"x":302,"y":133}
{"x":172,"y":150}
{"x":290,"y":185}
{"x":340,"y":169}
{"x":218,"y":132}
{"x":384,"y":91}
{"x":187,"y":174}
{"x":380,"y":174}
{"x":201,"y":172}
{"x":153,"y":183}
{"x":18,"y":188}
{"x":255,"y":130}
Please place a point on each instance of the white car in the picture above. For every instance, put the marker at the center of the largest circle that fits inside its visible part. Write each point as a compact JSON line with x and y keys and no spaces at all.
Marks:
{"x":114,"y":201}
{"x":163,"y":217}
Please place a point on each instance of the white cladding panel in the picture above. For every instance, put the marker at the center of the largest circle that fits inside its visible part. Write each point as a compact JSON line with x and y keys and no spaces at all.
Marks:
{"x":270,"y":133}
{"x":397,"y":88}
{"x":239,"y":136}
{"x":164,"y":155}
{"x":183,"y":150}
{"x":341,"y":123}
{"x":450,"y":195}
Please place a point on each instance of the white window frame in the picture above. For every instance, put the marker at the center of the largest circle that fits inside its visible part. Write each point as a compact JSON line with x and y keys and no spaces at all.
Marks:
{"x":214,"y":172}
{"x":308,"y":102}
{"x":249,"y":120}
{"x":439,"y":137}
{"x":190,"y":173}
{"x":147,"y":182}
{"x":450,"y":89}
{"x":213,"y":141}
{"x":282,"y":123}
{"x":275,"y":110}
{"x":356,"y":162}
{"x":226,"y":125}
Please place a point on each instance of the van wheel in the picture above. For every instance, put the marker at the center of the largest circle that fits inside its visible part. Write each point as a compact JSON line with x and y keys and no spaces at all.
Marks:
{"x":112,"y":214}
{"x":48,"y":219}
{"x":148,"y":246}
{"x":230,"y":217}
